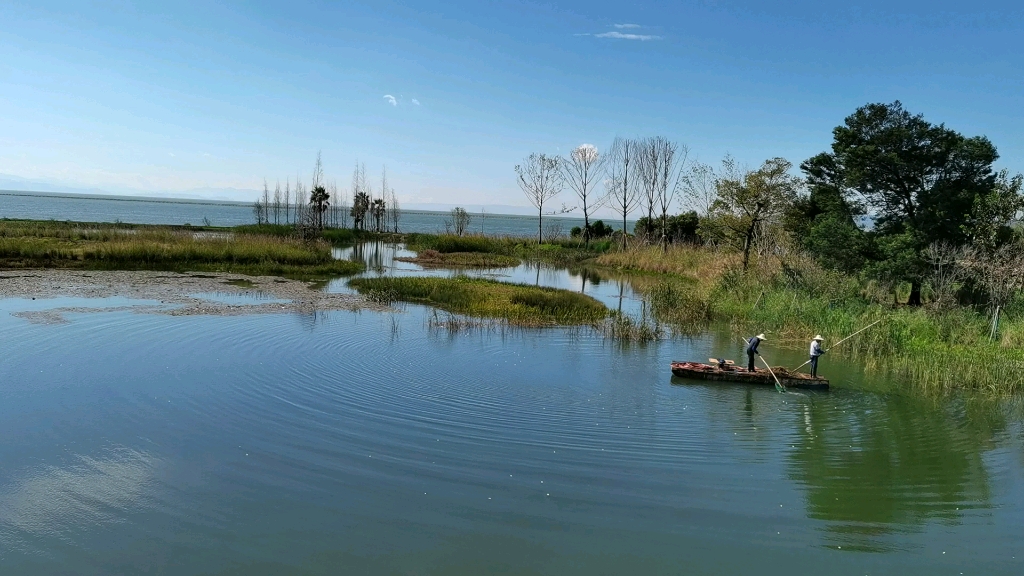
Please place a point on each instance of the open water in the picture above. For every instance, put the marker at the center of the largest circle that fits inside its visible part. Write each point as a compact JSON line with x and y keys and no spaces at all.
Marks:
{"x":371,"y":443}
{"x":139,"y":210}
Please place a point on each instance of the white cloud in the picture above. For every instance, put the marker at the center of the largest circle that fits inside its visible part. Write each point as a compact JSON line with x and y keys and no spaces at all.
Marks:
{"x":415,"y":102}
{"x":391,"y":99}
{"x":621,"y":26}
{"x":621,"y":36}
{"x":584,"y":34}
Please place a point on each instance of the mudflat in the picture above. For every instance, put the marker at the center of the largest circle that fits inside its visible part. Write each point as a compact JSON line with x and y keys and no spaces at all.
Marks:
{"x":176,"y":294}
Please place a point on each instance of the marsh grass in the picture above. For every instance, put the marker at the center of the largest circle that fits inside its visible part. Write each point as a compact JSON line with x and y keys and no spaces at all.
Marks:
{"x":518,"y":304}
{"x":433,"y":259}
{"x":920,"y":348}
{"x":67,"y":245}
{"x":557,"y":252}
{"x":624,"y":328}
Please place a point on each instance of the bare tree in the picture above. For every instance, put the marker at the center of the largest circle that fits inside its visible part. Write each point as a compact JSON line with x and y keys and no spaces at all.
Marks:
{"x":265,"y":199}
{"x":583,"y":170}
{"x":287,"y":201}
{"x":699,"y":188}
{"x":300,"y":202}
{"x":541,"y":179}
{"x":396,"y":211}
{"x":672,"y":160}
{"x":623,"y":194}
{"x":948,"y":263}
{"x":277,"y":203}
{"x":648,"y":172}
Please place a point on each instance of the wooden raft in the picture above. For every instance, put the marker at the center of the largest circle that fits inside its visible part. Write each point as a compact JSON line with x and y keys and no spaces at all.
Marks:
{"x":733,"y":373}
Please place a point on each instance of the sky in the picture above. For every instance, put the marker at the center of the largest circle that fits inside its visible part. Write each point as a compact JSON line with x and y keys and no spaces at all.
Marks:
{"x":210,"y":96}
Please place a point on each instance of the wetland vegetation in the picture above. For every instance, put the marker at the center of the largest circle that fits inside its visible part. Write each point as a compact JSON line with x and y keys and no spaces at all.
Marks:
{"x":518,"y":304}
{"x":33,"y":244}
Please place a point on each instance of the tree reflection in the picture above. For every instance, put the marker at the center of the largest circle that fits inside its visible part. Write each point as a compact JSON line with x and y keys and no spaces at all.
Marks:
{"x":875,"y":465}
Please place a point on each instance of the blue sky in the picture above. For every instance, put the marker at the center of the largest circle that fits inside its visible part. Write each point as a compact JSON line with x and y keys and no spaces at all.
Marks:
{"x":137,"y":96}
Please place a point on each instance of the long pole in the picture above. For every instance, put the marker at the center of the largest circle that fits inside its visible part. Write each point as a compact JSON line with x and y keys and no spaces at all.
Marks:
{"x":841,"y":341}
{"x":778,"y":385}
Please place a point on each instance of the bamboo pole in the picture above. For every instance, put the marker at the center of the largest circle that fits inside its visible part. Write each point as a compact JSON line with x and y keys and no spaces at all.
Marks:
{"x":841,"y":341}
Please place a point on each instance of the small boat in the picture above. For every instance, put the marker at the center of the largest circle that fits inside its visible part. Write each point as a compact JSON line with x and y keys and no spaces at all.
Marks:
{"x":729,"y":372}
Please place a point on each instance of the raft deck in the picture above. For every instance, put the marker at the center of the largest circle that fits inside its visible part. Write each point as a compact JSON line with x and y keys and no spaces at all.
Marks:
{"x":732,"y":373}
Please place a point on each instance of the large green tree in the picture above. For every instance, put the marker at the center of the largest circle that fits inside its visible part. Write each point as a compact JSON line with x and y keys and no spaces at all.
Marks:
{"x":920,"y":182}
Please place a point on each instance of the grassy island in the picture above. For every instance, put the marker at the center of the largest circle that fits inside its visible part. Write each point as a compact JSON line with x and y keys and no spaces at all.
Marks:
{"x":519,"y":304}
{"x":35,"y":244}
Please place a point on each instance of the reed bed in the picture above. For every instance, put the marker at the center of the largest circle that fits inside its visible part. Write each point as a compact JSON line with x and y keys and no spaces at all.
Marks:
{"x":917,"y":348}
{"x":519,"y":304}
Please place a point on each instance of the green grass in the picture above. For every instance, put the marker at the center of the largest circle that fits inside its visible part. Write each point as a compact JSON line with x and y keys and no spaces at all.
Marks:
{"x":558,"y":252}
{"x":518,"y":304}
{"x":916,"y":348}
{"x":96,"y":246}
{"x":435,"y":259}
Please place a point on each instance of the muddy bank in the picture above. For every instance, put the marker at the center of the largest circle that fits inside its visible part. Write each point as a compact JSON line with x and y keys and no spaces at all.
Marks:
{"x":171,"y":293}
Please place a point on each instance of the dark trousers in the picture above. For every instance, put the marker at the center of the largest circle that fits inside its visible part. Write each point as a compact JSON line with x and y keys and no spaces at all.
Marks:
{"x":814,"y":366}
{"x":750,"y":361}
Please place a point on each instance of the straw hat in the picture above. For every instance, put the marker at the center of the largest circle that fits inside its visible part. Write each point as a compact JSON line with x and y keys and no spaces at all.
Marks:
{"x":760,"y":336}
{"x":818,"y":338}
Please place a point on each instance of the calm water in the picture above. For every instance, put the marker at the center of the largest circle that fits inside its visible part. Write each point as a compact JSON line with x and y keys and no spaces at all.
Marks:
{"x":96,"y":208}
{"x":349,"y":443}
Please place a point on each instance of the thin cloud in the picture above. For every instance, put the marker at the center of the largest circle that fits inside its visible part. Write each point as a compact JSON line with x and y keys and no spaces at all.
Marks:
{"x":415,"y":102}
{"x":622,"y":26}
{"x":621,"y":36}
{"x":391,"y":99}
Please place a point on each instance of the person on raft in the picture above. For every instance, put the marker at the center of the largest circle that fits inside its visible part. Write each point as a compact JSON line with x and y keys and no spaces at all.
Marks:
{"x":816,"y":351}
{"x":752,"y":345}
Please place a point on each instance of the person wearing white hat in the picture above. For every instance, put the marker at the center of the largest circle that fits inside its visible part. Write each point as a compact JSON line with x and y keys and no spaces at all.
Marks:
{"x":816,"y":351}
{"x":752,"y":345}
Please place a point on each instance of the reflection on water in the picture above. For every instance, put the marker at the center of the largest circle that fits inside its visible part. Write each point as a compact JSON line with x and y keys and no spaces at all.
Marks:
{"x":873,"y":466}
{"x":60,"y":502}
{"x":615,"y":293}
{"x":367,"y":443}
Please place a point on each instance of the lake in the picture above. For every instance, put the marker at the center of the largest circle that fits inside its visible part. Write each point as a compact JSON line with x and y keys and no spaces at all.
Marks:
{"x":373,"y":443}
{"x":140,"y":210}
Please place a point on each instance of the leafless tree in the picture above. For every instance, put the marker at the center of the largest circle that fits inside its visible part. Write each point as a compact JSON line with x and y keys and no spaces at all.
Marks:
{"x":300,"y":201}
{"x":541,"y":179}
{"x":621,"y":183}
{"x":1001,"y":273}
{"x":583,"y":170}
{"x":265,"y":199}
{"x":277,"y":203}
{"x":648,"y":172}
{"x":948,"y":266}
{"x":699,"y":187}
{"x":396,"y":211}
{"x":672,"y":161}
{"x":287,"y":202}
